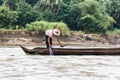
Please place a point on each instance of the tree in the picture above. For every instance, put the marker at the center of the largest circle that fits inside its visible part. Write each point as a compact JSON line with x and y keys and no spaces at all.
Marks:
{"x":90,"y":17}
{"x":51,"y":5}
{"x":1,"y":2}
{"x":11,"y":4}
{"x":63,"y":14}
{"x":32,"y":2}
{"x":26,"y":14}
{"x":7,"y":18}
{"x":75,"y":1}
{"x":112,"y":7}
{"x":66,"y":1}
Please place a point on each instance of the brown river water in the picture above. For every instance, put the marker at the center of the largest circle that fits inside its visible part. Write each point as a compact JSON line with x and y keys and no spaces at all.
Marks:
{"x":16,"y":65}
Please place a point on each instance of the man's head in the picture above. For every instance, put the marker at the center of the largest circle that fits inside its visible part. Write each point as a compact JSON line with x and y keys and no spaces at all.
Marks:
{"x":56,"y":32}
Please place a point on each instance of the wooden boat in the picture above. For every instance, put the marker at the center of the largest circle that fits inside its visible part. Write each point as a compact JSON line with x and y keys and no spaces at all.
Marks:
{"x":73,"y":51}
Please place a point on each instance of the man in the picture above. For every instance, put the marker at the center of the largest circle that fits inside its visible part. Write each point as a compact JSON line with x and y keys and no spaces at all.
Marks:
{"x":49,"y":34}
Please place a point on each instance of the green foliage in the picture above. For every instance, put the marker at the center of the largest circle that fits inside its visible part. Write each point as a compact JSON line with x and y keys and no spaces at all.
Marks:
{"x":49,"y":16}
{"x":12,"y":4}
{"x":86,"y":15}
{"x":38,"y":26}
{"x":32,"y":2}
{"x":63,"y":13}
{"x":113,"y":9}
{"x":42,"y":26}
{"x":26,"y":14}
{"x":1,"y":2}
{"x":90,"y":17}
{"x":7,"y":18}
{"x":63,"y":27}
{"x":29,"y":27}
{"x":75,"y":1}
{"x":113,"y":31}
{"x":66,"y":1}
{"x":50,"y":5}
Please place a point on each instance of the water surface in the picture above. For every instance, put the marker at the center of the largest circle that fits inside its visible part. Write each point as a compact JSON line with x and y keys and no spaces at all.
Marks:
{"x":16,"y":65}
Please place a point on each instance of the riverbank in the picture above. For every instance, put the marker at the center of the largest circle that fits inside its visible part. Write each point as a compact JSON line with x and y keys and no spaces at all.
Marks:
{"x":16,"y":38}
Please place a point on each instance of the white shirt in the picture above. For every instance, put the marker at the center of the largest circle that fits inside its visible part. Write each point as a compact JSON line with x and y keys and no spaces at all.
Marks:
{"x":49,"y":33}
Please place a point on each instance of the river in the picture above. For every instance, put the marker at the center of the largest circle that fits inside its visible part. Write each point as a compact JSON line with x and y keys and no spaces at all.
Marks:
{"x":16,"y":65}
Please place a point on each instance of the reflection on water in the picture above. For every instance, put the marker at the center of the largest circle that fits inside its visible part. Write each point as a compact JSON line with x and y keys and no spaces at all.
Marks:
{"x":16,"y":65}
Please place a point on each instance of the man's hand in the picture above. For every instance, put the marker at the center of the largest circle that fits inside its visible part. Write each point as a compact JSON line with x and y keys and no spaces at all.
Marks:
{"x":61,"y":46}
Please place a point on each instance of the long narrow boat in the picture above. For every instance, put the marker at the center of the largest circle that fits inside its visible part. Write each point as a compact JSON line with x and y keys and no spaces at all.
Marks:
{"x":73,"y":51}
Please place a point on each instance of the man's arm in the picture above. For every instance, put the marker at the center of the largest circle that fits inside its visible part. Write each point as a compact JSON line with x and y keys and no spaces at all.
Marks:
{"x":58,"y":39}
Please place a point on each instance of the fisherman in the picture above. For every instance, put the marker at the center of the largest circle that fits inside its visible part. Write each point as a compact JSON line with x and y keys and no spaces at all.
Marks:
{"x":49,"y":34}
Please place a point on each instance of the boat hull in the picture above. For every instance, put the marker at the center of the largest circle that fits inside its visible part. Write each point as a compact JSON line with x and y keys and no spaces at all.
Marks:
{"x":71,"y":51}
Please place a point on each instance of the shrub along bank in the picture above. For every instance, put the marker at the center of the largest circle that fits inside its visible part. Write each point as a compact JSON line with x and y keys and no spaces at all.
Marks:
{"x":42,"y":26}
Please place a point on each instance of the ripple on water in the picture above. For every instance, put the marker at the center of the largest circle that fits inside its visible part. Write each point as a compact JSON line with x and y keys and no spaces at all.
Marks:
{"x":24,"y":67}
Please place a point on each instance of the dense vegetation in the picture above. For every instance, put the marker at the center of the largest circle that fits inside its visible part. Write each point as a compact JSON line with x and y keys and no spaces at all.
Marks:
{"x":90,"y":16}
